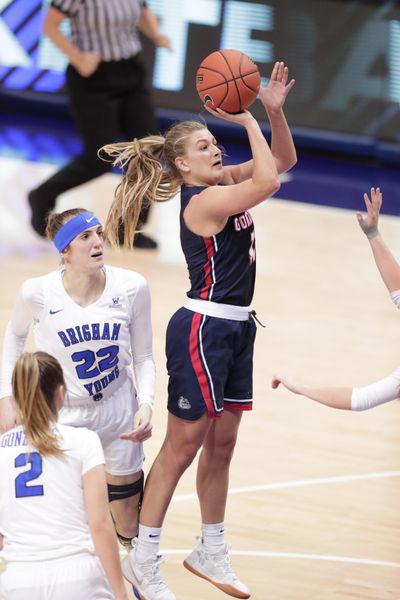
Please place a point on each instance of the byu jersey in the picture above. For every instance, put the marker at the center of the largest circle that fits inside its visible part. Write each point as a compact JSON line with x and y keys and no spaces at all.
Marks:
{"x":221,"y":267}
{"x":42,"y":510}
{"x":94,"y":344}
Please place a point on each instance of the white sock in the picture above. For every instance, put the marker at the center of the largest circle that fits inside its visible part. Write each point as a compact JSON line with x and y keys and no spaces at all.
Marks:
{"x":148,"y":543}
{"x":213,"y":536}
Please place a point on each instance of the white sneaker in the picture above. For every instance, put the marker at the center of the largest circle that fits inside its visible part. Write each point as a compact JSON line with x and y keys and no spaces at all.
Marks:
{"x":146,"y":577}
{"x":217,"y":569}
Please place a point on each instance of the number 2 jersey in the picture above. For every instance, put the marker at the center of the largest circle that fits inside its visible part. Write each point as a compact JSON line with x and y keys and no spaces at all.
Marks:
{"x":221,"y":267}
{"x":42,"y":509}
{"x":94,"y":344}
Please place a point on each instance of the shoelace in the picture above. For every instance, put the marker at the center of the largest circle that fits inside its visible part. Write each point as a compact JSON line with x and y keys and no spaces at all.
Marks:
{"x":222,"y":558}
{"x":151,"y":572}
{"x":223,"y":561}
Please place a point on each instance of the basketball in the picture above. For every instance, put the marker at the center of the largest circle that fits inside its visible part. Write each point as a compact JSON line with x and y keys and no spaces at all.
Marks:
{"x":228,"y":79}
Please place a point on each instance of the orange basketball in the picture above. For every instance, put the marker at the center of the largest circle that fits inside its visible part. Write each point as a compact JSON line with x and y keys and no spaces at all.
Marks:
{"x":228,"y":79}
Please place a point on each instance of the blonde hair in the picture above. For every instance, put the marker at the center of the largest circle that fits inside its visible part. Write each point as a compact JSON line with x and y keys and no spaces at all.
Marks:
{"x":35,"y":379}
{"x":150,"y":175}
{"x":56,"y":220}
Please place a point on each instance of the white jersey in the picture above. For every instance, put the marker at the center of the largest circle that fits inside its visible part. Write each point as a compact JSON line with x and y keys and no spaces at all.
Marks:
{"x":382,"y":391}
{"x":376,"y":393}
{"x":94,"y":344}
{"x":42,"y":511}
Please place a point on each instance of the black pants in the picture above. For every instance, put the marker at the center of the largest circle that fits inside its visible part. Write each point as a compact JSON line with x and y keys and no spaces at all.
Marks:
{"x":111,"y":105}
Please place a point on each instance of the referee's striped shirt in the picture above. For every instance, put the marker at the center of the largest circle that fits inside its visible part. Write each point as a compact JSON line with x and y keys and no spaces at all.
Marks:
{"x":104,"y":26}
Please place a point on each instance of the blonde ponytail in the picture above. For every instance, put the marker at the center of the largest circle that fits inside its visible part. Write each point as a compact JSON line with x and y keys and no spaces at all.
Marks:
{"x":35,"y":379}
{"x":149,"y":175}
{"x":144,"y":181}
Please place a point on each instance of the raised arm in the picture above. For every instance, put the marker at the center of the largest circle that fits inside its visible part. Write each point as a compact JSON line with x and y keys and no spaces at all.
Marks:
{"x":273,"y":97}
{"x":207,"y":212}
{"x":85,"y":63}
{"x":387,"y":265}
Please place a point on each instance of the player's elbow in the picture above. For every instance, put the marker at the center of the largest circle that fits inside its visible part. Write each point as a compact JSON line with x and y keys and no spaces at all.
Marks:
{"x":266,"y":187}
{"x":292,"y":161}
{"x":273,"y":185}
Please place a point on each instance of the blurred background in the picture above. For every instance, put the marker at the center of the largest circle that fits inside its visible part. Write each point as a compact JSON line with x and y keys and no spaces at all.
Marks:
{"x":344,"y":110}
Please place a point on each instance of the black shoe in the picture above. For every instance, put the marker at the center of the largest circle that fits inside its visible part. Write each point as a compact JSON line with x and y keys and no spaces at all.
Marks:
{"x":144,"y":241}
{"x":40,"y":211}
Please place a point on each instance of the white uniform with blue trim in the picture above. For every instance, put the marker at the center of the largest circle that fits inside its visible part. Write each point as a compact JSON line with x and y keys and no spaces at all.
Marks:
{"x":95,"y":345}
{"x":382,"y":391}
{"x":48,"y":548}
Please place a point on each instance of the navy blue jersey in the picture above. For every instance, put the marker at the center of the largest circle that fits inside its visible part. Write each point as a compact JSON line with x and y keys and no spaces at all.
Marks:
{"x":221,"y":267}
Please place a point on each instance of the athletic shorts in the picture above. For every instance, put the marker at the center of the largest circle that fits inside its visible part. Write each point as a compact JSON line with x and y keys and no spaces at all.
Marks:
{"x":209,"y":362}
{"x":74,"y":578}
{"x":109,"y":418}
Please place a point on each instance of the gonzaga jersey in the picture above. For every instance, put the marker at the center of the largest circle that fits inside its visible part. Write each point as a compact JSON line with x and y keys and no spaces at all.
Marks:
{"x":222,"y":267}
{"x":42,"y":510}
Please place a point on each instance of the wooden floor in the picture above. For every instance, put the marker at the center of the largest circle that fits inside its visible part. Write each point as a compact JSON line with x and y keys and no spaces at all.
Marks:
{"x":313,"y":511}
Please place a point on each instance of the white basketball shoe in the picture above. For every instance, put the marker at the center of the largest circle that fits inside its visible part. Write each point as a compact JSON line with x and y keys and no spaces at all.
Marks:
{"x":146,"y":577}
{"x":217,"y":569}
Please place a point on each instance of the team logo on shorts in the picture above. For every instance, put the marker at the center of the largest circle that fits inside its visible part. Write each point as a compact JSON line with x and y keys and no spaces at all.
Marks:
{"x":184,"y":403}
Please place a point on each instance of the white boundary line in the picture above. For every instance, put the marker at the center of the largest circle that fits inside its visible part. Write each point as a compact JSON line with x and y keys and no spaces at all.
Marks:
{"x":293,"y":484}
{"x":300,"y":483}
{"x":298,"y":556}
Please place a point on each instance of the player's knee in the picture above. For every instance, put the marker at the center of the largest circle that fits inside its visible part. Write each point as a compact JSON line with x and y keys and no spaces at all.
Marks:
{"x":187,"y":458}
{"x":221,"y":455}
{"x":183,"y":457}
{"x":120,"y":492}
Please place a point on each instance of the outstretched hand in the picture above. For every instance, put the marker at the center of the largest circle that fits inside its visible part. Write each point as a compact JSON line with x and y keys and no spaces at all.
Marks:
{"x":287,"y":381}
{"x":273,"y":96}
{"x":369,"y":223}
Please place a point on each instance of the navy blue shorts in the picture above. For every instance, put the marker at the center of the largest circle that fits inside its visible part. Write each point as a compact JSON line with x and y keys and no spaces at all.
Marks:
{"x":209,"y":363}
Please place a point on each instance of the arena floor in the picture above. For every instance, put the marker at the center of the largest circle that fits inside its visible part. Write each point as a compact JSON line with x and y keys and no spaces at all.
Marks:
{"x":313,"y":510}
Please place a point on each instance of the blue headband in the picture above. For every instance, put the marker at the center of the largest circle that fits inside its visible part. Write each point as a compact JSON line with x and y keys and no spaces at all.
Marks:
{"x":72,"y":228}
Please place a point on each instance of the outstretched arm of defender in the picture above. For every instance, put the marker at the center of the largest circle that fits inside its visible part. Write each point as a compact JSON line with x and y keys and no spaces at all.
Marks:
{"x":335,"y":397}
{"x":387,"y":265}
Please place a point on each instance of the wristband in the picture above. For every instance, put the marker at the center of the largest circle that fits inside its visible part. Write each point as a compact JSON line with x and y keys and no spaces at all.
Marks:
{"x":370,"y":232}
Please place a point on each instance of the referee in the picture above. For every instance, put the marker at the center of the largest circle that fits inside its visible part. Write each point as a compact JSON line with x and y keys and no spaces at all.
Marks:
{"x":106,"y":86}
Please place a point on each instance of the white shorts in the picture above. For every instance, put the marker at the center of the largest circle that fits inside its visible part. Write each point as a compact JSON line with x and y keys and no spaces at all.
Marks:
{"x":80,"y":577}
{"x":110,"y":418}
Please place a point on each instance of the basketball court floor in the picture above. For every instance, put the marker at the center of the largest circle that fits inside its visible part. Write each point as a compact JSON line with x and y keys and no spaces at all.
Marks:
{"x":313,"y":508}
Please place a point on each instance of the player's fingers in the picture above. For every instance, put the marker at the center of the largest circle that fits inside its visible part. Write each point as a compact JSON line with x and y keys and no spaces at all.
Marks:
{"x":275,"y":382}
{"x":279,"y":71}
{"x":274,"y":71}
{"x":367,"y":201}
{"x":210,"y":110}
{"x":376,"y":196}
{"x":289,"y":86}
{"x":129,"y":436}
